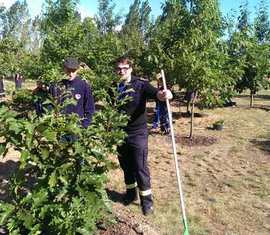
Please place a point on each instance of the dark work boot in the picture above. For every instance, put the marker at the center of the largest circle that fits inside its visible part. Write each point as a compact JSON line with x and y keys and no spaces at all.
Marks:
{"x":147,"y":204}
{"x":147,"y":211}
{"x":130,"y":196}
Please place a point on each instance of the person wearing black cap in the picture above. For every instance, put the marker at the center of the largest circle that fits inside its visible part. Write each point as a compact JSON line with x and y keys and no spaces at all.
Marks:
{"x":132,"y":154}
{"x":80,"y":91}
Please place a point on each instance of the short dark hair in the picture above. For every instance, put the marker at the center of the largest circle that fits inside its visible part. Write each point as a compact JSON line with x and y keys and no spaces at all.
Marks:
{"x":124,"y":60}
{"x":71,"y":63}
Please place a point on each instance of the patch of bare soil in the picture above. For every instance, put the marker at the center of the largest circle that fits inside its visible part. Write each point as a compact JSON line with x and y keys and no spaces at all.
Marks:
{"x":196,"y":140}
{"x":128,"y":223}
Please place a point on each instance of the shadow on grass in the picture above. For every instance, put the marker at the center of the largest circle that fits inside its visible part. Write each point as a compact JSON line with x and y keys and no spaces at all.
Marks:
{"x":266,"y":97}
{"x":263,"y":107}
{"x":255,"y":106}
{"x":263,"y":145}
{"x":115,"y":196}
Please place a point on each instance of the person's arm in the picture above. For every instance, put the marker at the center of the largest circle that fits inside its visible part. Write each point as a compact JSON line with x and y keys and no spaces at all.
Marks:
{"x":150,"y":91}
{"x":153,"y":93}
{"x":89,"y":106}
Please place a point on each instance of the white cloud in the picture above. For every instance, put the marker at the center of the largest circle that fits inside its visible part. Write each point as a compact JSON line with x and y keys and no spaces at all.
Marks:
{"x":85,"y":12}
{"x":7,"y":3}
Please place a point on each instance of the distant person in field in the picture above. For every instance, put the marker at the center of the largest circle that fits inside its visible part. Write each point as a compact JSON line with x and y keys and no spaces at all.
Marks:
{"x":81,"y":92}
{"x":2,"y":90}
{"x":18,"y":81}
{"x":132,"y":154}
{"x":78,"y":89}
{"x":40,"y":95}
{"x":161,"y":118}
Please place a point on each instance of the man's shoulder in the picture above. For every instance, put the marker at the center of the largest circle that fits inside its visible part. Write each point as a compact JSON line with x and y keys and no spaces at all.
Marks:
{"x":139,"y":80}
{"x":82,"y":81}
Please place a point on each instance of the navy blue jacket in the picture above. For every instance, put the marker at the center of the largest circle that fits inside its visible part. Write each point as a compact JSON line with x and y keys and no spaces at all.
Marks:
{"x":81,"y":92}
{"x":139,"y":90}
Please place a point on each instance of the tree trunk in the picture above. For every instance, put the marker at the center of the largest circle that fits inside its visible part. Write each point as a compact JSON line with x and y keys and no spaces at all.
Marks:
{"x":192,"y":114}
{"x":251,"y":99}
{"x":188,"y":107}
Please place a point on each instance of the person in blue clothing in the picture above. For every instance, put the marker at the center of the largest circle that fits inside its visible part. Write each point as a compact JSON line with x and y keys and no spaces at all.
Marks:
{"x":161,"y":117}
{"x":78,"y":89}
{"x":40,"y":96}
{"x":132,"y":154}
{"x":72,"y":87}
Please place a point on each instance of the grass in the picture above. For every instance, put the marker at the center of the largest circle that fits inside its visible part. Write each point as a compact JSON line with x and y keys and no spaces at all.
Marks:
{"x":226,"y":185}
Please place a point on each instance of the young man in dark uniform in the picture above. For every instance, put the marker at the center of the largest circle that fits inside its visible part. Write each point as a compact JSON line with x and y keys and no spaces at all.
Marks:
{"x":79,"y":90}
{"x":133,"y":153}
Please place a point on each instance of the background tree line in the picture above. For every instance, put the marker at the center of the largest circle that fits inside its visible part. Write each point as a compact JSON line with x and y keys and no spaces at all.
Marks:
{"x":200,"y":50}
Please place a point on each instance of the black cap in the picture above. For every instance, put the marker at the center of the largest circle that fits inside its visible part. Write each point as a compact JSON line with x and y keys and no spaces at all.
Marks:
{"x":71,"y":63}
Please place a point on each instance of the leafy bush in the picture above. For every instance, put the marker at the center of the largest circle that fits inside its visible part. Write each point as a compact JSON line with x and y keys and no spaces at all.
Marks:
{"x":100,"y":85}
{"x":60,"y":185}
{"x":22,"y":100}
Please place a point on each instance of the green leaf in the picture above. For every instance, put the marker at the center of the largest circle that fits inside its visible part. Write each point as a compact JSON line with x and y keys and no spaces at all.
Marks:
{"x":53,"y":179}
{"x":63,"y":179}
{"x":28,"y":220}
{"x":24,"y":158}
{"x":40,"y":198}
{"x":15,"y":126}
{"x":3,"y":148}
{"x":45,"y":152}
{"x":6,"y":211}
{"x":50,"y":135}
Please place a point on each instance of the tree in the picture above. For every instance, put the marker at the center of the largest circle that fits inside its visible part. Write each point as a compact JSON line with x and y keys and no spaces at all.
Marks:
{"x":105,"y":18}
{"x":262,"y":24}
{"x":187,"y":46}
{"x":36,"y":40}
{"x":2,"y":20}
{"x":201,"y":55}
{"x":135,"y":33}
{"x":168,"y":28}
{"x":12,"y":55}
{"x":61,"y":31}
{"x":253,"y":50}
{"x":16,"y":21}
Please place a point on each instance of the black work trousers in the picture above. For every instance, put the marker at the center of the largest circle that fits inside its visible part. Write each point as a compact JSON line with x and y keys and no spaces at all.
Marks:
{"x":133,"y":160}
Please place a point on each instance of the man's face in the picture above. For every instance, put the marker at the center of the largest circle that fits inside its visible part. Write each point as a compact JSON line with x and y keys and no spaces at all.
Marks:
{"x":70,"y":73}
{"x":124,"y":71}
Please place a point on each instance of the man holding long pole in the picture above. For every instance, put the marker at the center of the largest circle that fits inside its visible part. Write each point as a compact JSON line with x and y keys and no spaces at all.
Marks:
{"x":133,"y":153}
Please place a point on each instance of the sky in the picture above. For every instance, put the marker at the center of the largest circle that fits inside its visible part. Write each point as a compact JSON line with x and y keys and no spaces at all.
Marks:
{"x":89,"y":7}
